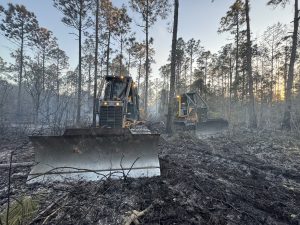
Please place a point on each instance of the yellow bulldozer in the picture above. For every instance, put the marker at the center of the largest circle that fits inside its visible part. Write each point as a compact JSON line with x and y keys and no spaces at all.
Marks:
{"x":191,"y":113}
{"x":119,"y":146}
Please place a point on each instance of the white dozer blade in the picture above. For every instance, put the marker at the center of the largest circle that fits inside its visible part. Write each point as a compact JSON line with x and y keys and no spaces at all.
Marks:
{"x":94,"y":154}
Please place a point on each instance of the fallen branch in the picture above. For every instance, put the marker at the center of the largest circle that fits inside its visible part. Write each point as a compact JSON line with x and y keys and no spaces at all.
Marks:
{"x":14,"y":165}
{"x":125,"y":175}
{"x":45,"y":211}
{"x":47,"y":218}
{"x":134,"y":216}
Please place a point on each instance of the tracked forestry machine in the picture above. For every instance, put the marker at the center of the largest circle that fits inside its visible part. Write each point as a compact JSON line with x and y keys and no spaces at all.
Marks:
{"x":191,"y":113}
{"x":119,"y":146}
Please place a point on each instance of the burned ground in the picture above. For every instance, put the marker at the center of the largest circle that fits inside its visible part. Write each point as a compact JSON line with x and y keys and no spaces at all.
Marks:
{"x":239,"y":177}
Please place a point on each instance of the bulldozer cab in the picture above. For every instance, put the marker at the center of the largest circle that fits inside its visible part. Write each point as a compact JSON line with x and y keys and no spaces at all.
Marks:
{"x":119,"y":106}
{"x":192,"y":113}
{"x":191,"y":107}
{"x":115,"y":89}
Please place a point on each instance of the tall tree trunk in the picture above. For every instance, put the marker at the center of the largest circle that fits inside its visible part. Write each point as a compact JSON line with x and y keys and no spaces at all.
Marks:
{"x":261,"y":92}
{"x":43,"y":69}
{"x":48,"y":107}
{"x":205,"y":77}
{"x":272,"y":71}
{"x":285,"y":70}
{"x":102,"y":82}
{"x":147,"y":58}
{"x":36,"y":111}
{"x":121,"y":55}
{"x":107,"y":53}
{"x":89,"y":76}
{"x":244,"y":88}
{"x":236,"y":81}
{"x":257,"y":80}
{"x":185,"y":77}
{"x":57,"y":83}
{"x":43,"y":86}
{"x":129,"y":58}
{"x":96,"y":64}
{"x":172,"y":77}
{"x":222,"y":83}
{"x":252,"y":114}
{"x":230,"y":86}
{"x":79,"y":68}
{"x":139,"y":74}
{"x":286,"y":123}
{"x":191,"y":65}
{"x":20,"y":74}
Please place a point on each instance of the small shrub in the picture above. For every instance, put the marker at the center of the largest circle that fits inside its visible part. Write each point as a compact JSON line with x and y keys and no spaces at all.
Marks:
{"x":20,"y":211}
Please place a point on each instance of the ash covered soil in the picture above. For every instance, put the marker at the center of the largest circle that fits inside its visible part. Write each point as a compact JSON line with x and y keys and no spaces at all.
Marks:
{"x":238,"y":177}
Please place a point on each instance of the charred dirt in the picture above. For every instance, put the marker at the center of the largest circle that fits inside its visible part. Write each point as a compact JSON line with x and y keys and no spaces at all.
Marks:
{"x":237,"y":177}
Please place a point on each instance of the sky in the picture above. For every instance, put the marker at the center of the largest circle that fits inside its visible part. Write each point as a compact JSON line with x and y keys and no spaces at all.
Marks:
{"x":198,"y":19}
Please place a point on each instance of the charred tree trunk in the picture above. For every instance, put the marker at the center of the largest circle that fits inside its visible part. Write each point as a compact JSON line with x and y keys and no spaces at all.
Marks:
{"x":20,"y":74}
{"x":57,"y":83}
{"x":107,"y":53}
{"x":230,"y":86}
{"x":286,"y":123}
{"x":147,"y":57}
{"x":43,"y":69}
{"x":121,"y":56}
{"x":96,"y":64}
{"x":172,"y":78}
{"x":285,"y":69}
{"x":205,"y":77}
{"x":89,"y":76}
{"x":272,"y":72}
{"x":129,"y":61}
{"x":139,"y":74}
{"x":79,"y":67}
{"x":252,"y":114}
{"x":191,"y":65}
{"x":236,"y":81}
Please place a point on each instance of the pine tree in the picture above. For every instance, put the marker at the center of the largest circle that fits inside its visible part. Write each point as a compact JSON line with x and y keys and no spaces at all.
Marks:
{"x":286,"y":123}
{"x":193,"y":49}
{"x":96,"y":61}
{"x":149,"y":10}
{"x":76,"y":16}
{"x":173,"y":65}
{"x":60,"y":60}
{"x":19,"y":25}
{"x":44,"y":40}
{"x":233,"y":22}
{"x":252,"y":113}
